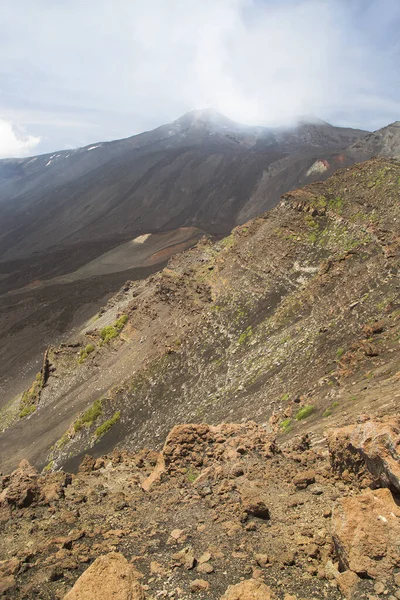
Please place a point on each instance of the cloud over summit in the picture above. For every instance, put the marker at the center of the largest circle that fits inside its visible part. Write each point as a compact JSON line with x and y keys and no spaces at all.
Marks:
{"x":76,"y":72}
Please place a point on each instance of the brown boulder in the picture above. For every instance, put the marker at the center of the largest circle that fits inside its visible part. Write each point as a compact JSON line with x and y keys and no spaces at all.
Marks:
{"x":251,"y":589}
{"x":199,"y":585}
{"x":252,"y":501}
{"x":366,"y":533}
{"x":52,"y":486}
{"x":20,"y":489}
{"x":369,"y":450}
{"x":108,"y":578}
{"x":303,"y":479}
{"x":87,"y":464}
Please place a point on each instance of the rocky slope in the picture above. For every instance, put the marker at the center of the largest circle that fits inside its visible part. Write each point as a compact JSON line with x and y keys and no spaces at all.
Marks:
{"x":70,"y":220}
{"x":290,"y":328}
{"x":384,"y":142}
{"x":222,"y":512}
{"x":295,"y":314}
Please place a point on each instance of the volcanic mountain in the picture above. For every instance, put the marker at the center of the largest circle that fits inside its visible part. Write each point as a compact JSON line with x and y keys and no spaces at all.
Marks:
{"x":231,"y":423}
{"x":76,"y":224}
{"x":300,"y":303}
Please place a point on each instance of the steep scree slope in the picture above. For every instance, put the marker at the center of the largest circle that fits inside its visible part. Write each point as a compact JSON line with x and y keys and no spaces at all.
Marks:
{"x":292,"y":321}
{"x":63,"y":214}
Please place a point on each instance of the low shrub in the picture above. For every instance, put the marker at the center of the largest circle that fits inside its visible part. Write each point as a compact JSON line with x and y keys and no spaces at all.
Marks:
{"x":245,"y":335}
{"x":286,"y":425}
{"x":30,"y":398}
{"x":110,"y":332}
{"x":191,"y":474}
{"x":106,"y":426}
{"x":89,"y":416}
{"x":304,"y":412}
{"x":27,"y":410}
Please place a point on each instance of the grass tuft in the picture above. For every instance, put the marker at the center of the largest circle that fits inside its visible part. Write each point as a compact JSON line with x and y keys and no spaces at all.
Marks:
{"x":89,"y":416}
{"x":304,"y":412}
{"x":106,"y":426}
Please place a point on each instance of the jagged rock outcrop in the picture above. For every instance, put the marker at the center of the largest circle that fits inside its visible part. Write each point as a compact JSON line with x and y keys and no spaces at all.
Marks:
{"x":110,"y":577}
{"x":200,"y":447}
{"x":366,"y":532}
{"x":25,"y":486}
{"x":20,"y":489}
{"x":369,"y":450}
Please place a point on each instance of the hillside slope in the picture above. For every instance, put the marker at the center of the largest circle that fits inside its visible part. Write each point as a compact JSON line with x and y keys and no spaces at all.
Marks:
{"x":70,"y":221}
{"x":294,"y":314}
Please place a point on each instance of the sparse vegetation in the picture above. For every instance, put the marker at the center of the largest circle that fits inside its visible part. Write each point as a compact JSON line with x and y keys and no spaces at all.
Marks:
{"x":327,"y":412}
{"x":27,"y":410}
{"x":30,"y":397}
{"x":286,"y":425}
{"x":313,"y":237}
{"x":106,"y":426}
{"x":191,"y":474}
{"x":339,"y":353}
{"x":89,"y":416}
{"x":84,"y":353}
{"x":48,"y":467}
{"x":112,"y":331}
{"x":245,"y":335}
{"x":304,"y":412}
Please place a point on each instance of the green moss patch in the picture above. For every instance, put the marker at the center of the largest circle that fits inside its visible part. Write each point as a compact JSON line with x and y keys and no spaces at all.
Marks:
{"x":84,"y":353}
{"x":106,"y":426}
{"x":89,"y":416}
{"x":286,"y":425}
{"x":304,"y":412}
{"x":30,"y":397}
{"x":112,"y":331}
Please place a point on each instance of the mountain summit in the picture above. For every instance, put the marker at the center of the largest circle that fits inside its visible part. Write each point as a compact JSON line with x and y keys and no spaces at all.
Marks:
{"x":205,"y":117}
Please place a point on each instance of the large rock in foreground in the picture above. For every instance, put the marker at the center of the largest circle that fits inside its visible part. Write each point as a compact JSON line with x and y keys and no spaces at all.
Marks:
{"x":366,"y":532}
{"x":252,"y":589}
{"x":369,"y":450}
{"x":110,"y":577}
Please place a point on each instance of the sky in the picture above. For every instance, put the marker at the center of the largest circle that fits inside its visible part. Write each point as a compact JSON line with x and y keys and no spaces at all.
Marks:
{"x":73,"y":72}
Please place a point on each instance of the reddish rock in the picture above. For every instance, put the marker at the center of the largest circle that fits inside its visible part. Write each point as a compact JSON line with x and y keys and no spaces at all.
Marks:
{"x":369,"y":450}
{"x":52,"y":486}
{"x":109,"y":577}
{"x":252,"y":589}
{"x":303,"y":479}
{"x":7,"y":583}
{"x":348,"y":583}
{"x":252,"y":501}
{"x":199,"y":585}
{"x":87,"y":464}
{"x":20,"y":489}
{"x":366,"y":532}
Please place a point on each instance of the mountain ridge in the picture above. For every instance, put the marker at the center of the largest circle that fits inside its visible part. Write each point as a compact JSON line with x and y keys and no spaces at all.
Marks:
{"x":209,"y":335}
{"x":60,"y":222}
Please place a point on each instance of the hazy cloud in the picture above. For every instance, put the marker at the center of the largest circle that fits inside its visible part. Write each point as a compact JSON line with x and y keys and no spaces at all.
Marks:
{"x":15,"y":143}
{"x":75,"y":71}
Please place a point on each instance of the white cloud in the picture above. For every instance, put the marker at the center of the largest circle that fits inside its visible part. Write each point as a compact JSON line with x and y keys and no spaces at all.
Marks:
{"x":134,"y":65}
{"x":13,"y":143}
